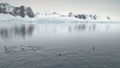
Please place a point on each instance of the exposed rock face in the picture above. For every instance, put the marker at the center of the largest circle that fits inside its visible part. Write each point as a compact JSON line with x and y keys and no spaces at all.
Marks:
{"x":81,"y":16}
{"x":89,"y":16}
{"x":70,"y":14}
{"x":6,"y":8}
{"x":29,"y":12}
{"x":22,"y":11}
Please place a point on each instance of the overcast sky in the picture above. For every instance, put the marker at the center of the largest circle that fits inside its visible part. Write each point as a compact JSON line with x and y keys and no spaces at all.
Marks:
{"x":104,"y":7}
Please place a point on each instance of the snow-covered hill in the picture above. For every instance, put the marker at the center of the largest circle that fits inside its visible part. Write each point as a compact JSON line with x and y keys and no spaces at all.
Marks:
{"x":43,"y":19}
{"x":22,"y":13}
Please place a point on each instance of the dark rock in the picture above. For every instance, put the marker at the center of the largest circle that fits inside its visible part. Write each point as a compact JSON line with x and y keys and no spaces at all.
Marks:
{"x":22,"y":11}
{"x":29,"y":12}
{"x":108,"y":18}
{"x":80,"y":16}
{"x":95,"y":17}
{"x":70,"y":14}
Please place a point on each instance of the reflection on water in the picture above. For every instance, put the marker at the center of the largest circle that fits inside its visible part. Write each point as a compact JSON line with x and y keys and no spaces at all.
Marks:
{"x":80,"y":27}
{"x":73,"y":28}
{"x":16,"y":30}
{"x":89,"y":28}
{"x":68,"y":45}
{"x":25,"y":30}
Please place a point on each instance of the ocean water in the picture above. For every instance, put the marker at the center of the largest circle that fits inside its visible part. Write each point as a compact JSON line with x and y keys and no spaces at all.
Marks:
{"x":60,"y":45}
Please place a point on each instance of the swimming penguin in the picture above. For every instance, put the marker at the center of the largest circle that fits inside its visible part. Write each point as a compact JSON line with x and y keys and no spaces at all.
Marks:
{"x":6,"y":50}
{"x":93,"y":48}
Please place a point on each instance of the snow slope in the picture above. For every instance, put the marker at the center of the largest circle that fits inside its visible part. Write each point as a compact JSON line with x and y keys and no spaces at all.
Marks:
{"x":57,"y":19}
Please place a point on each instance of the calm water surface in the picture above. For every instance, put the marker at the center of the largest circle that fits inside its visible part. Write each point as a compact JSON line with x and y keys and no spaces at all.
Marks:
{"x":77,"y":39}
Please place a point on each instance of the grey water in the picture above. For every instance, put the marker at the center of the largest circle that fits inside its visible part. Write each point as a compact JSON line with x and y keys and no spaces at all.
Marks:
{"x":68,"y":45}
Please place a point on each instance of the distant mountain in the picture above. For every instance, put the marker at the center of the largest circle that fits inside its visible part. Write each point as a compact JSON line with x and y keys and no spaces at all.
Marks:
{"x":21,"y":11}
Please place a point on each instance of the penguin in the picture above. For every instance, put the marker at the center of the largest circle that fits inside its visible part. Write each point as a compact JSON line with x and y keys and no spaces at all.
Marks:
{"x":93,"y":48}
{"x":6,"y":50}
